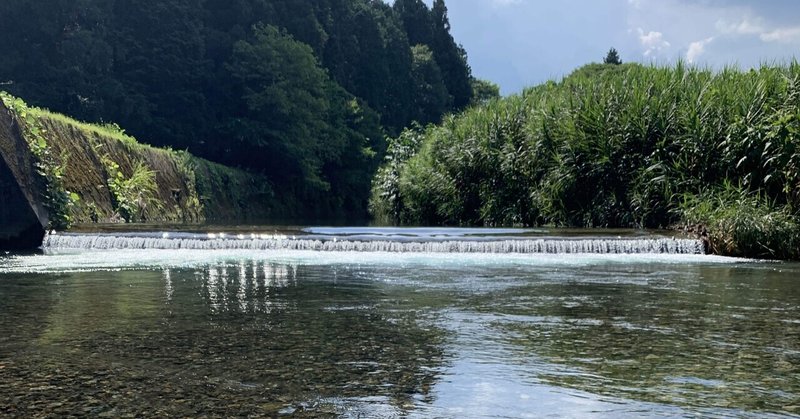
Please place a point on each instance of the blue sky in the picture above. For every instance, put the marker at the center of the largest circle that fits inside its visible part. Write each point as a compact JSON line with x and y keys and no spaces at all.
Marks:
{"x":519,"y":43}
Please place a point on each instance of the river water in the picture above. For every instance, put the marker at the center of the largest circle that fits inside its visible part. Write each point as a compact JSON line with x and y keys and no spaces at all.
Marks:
{"x":313,"y":333}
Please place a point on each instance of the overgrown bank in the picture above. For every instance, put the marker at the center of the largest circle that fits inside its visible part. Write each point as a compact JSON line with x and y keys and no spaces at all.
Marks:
{"x":97,"y":173}
{"x":615,"y":146}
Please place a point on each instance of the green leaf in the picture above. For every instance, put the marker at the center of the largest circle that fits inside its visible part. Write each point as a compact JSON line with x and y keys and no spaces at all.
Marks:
{"x":742,"y":160}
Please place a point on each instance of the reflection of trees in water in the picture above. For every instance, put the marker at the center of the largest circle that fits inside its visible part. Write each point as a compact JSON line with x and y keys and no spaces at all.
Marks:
{"x":729,"y":339}
{"x":247,"y":286}
{"x":311,"y":330}
{"x":230,"y":339}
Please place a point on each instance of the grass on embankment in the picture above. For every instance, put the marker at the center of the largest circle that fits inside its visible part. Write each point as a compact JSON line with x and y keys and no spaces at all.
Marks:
{"x":615,"y":146}
{"x":98,"y":173}
{"x":740,"y":223}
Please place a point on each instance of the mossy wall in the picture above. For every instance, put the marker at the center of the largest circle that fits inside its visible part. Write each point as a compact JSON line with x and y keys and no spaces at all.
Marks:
{"x":107,"y":176}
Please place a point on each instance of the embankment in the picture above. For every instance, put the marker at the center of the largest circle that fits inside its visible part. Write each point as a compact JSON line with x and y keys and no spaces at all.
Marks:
{"x":55,"y":171}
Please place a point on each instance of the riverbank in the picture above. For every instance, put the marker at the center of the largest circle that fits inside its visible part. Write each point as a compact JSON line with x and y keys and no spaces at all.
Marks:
{"x":615,"y":146}
{"x":56,"y":171}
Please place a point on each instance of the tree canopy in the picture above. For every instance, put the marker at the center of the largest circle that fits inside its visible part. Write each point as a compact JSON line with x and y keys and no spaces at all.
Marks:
{"x":484,"y":91}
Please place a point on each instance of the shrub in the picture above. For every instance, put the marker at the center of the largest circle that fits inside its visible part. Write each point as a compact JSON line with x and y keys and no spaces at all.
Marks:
{"x":742,"y":223}
{"x":133,"y":195}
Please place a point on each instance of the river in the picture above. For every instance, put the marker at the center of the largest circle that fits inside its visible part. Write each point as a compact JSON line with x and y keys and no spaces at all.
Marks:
{"x":246,"y":331}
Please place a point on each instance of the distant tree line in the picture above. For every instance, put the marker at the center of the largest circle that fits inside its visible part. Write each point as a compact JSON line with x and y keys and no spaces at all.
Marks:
{"x":303,"y":91}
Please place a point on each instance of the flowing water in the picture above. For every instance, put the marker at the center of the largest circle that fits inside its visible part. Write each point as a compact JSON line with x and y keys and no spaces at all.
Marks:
{"x":395,"y":323}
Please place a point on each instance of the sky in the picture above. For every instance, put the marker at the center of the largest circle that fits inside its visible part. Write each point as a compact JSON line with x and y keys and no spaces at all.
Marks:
{"x":521,"y":43}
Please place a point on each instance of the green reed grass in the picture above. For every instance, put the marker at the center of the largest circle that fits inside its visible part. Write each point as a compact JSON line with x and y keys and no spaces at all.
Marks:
{"x":608,"y":146}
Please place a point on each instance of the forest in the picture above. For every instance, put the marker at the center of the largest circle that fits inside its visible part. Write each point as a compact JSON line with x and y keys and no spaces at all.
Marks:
{"x":615,"y":145}
{"x":303,"y":92}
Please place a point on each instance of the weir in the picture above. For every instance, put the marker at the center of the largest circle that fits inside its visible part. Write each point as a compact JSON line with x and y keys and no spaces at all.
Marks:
{"x":550,"y":245}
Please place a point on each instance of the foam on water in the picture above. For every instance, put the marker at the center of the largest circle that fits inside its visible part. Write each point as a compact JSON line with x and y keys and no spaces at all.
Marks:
{"x":115,"y":251}
{"x":100,"y":260}
{"x":334,"y":244}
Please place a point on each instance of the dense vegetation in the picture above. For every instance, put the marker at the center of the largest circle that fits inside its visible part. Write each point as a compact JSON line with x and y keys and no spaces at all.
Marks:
{"x":303,"y":91}
{"x":617,"y":146}
{"x":99,"y":173}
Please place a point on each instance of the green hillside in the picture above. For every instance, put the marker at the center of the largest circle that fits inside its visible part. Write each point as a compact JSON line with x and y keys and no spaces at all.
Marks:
{"x":302,"y":92}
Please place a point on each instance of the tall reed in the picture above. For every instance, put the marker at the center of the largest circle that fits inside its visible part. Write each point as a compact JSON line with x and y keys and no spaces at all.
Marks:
{"x":608,"y":146}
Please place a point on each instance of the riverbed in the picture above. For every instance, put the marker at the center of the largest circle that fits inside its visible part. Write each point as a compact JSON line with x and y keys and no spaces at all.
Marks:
{"x":251,"y":332}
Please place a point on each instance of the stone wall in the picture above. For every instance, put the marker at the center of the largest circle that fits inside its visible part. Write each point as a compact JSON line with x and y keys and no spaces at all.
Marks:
{"x":22,"y":215}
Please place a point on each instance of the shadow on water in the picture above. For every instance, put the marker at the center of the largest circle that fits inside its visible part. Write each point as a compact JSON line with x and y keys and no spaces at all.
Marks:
{"x":231,"y":338}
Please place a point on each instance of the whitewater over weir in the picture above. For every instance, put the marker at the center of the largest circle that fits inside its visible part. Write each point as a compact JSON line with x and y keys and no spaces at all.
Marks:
{"x":414,"y":243}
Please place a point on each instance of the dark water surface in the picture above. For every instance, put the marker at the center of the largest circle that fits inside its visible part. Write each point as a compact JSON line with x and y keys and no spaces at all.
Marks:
{"x":264,"y":333}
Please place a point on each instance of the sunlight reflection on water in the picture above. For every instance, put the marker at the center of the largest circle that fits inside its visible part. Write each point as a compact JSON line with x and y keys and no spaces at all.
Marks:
{"x":303,"y":333}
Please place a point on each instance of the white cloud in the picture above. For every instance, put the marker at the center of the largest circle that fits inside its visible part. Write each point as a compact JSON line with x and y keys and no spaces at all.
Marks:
{"x":746,"y":26}
{"x":653,"y":42}
{"x":783,"y":35}
{"x":697,"y":48}
{"x":756,"y":26}
{"x":637,"y":4}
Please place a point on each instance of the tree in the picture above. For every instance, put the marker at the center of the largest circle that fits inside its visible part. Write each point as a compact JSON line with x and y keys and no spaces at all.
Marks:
{"x":451,"y":58}
{"x":612,"y":57}
{"x":431,"y":99}
{"x":416,"y":18}
{"x":299,"y":127}
{"x":157,"y":86}
{"x":484,"y":91}
{"x":284,"y":100}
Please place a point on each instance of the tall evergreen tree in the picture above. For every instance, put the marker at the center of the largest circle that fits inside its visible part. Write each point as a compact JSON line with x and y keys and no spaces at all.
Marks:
{"x":612,"y":57}
{"x":159,"y":67}
{"x":430,"y":91}
{"x":416,"y":18}
{"x":451,"y":58}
